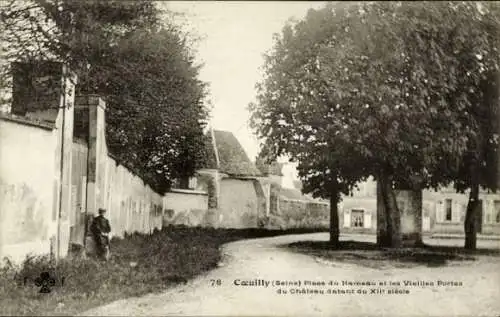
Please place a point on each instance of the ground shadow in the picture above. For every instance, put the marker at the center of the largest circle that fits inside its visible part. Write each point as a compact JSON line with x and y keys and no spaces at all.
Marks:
{"x":370,"y":255}
{"x":244,"y":233}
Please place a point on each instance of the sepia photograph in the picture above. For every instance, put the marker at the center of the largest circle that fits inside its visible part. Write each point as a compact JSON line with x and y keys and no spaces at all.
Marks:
{"x":249,"y":158}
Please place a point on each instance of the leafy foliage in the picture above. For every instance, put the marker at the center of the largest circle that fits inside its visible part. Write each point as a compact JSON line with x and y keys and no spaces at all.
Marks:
{"x":404,"y":91}
{"x":378,"y":88}
{"x":140,"y":64}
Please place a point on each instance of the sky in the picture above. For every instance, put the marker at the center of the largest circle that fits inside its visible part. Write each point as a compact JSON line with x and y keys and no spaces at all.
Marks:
{"x":235,"y":35}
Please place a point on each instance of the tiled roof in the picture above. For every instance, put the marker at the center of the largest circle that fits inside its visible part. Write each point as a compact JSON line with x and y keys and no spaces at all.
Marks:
{"x":233,"y":159}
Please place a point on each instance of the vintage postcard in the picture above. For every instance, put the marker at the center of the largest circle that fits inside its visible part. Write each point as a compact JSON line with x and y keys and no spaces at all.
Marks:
{"x":249,"y":158}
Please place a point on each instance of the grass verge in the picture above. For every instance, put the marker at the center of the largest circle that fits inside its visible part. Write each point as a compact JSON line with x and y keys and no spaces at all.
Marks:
{"x":140,"y":264}
{"x":370,"y":255}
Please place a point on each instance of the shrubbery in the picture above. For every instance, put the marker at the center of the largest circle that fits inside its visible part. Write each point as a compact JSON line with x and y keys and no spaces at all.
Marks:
{"x":139,"y":264}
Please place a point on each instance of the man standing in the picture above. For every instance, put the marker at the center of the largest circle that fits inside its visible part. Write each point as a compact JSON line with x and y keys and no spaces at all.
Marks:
{"x":100,"y":230}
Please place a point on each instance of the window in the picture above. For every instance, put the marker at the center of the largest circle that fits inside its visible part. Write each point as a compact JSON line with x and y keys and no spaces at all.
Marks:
{"x":185,"y":183}
{"x":357,"y":218}
{"x":497,"y":210}
{"x":447,"y":206}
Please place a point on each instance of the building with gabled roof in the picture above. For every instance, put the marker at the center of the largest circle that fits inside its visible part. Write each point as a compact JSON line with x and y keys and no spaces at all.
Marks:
{"x":242,"y":196}
{"x":226,"y":154}
{"x":236,"y":197}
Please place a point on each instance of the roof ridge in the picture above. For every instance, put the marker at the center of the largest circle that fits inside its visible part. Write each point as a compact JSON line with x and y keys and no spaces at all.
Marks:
{"x":232,"y":157}
{"x":216,"y":149}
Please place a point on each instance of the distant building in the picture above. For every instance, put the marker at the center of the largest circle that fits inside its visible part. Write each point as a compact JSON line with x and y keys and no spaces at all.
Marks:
{"x":236,"y":195}
{"x":290,"y":175}
{"x":244,"y":196}
{"x":443,"y":211}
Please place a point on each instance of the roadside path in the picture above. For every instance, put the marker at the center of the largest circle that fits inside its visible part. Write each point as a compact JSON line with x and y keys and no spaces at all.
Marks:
{"x":262,"y":259}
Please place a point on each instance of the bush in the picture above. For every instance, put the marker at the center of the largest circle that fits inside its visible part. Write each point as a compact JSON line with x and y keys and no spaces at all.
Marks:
{"x":139,"y":264}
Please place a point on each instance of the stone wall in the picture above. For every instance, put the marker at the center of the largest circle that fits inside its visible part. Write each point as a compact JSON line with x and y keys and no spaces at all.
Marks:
{"x":299,"y":214}
{"x":131,"y":204}
{"x":188,"y":207}
{"x":53,"y":178}
{"x":239,"y":204}
{"x":281,"y":212}
{"x":28,"y":202}
{"x":42,"y":118}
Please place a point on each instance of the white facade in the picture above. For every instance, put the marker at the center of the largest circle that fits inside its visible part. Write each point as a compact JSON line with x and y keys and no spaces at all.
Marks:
{"x":290,"y":175}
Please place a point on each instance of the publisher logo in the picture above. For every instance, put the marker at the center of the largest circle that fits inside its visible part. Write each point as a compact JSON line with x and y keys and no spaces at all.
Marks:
{"x":45,"y":282}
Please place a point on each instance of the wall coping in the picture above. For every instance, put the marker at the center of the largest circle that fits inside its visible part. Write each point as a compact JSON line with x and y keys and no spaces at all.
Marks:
{"x":359,"y":197}
{"x":207,"y":170}
{"x":28,"y":121}
{"x":187,"y":191}
{"x":304,"y":201}
{"x":131,"y":171}
{"x":241,"y":177}
{"x":89,"y":100}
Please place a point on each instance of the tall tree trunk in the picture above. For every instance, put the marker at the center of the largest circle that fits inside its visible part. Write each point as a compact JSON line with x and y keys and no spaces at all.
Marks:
{"x":334,"y":221}
{"x":392,"y":213}
{"x":417,"y":212}
{"x":470,"y":228}
{"x":383,"y":237}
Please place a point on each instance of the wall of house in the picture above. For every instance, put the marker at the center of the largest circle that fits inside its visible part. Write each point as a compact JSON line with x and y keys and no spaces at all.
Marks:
{"x":367,"y":205}
{"x":290,"y":175}
{"x":28,"y":193}
{"x":187,"y":207}
{"x":277,"y":179}
{"x":443,"y":223}
{"x":239,"y":203}
{"x":433,"y":213}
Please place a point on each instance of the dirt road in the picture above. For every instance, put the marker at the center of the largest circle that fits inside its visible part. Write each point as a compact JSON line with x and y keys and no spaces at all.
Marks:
{"x":262,"y":261}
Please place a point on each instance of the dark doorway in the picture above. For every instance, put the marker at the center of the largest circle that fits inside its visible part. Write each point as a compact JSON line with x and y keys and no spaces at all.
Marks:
{"x":357,"y":218}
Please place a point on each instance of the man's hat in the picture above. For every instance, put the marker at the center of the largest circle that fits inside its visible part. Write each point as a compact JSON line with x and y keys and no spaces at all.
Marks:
{"x":102,"y":210}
